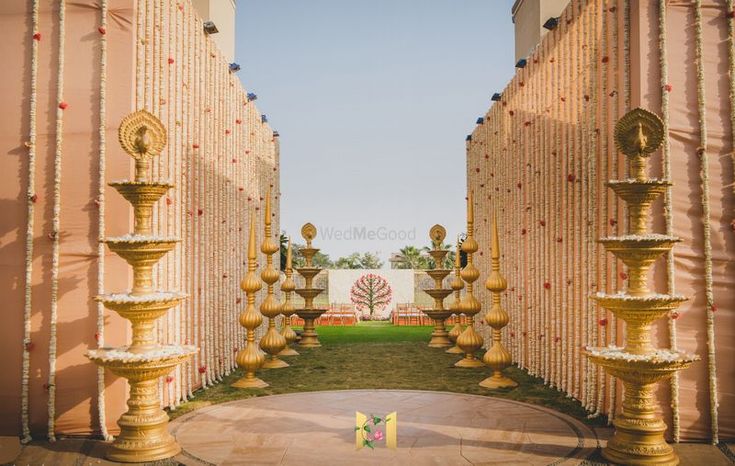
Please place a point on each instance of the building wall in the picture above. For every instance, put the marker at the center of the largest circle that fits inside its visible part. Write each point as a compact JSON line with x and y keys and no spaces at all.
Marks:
{"x":529,"y":17}
{"x":542,"y":156}
{"x":222,"y":13}
{"x":220,"y":156}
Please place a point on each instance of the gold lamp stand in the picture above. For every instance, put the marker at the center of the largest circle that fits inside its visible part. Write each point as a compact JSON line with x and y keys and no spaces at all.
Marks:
{"x":639,"y":430}
{"x":287,"y":308}
{"x":144,"y":433}
{"x":272,"y":342}
{"x":250,"y":358}
{"x":309,"y":338}
{"x":456,"y":307}
{"x":439,"y":337}
{"x":497,"y":357}
{"x":469,"y":341}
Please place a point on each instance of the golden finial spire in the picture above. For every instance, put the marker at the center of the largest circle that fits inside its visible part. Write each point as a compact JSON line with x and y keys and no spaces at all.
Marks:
{"x":250,"y":358}
{"x":287,"y":308}
{"x":497,"y":357}
{"x":470,"y":341}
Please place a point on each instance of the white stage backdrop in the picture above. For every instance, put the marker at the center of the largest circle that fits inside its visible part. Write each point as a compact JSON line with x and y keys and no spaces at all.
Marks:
{"x":400,"y":281}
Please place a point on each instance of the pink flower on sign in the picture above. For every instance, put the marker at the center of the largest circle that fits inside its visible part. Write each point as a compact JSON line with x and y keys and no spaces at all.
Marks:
{"x":378,"y":435}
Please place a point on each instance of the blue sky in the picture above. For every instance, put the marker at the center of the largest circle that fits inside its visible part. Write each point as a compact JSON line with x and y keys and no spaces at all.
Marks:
{"x":373,"y":100}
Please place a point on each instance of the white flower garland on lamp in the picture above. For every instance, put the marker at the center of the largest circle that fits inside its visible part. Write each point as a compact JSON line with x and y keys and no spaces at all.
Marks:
{"x":100,"y":201}
{"x":704,"y":174}
{"x":31,"y":198}
{"x":56,"y":224}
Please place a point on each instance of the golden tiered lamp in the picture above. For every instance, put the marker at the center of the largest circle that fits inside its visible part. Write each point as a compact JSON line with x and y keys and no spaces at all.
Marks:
{"x":639,"y":430}
{"x":287,"y":308}
{"x":272,"y":342}
{"x":439,"y":337}
{"x":469,"y":341}
{"x":497,"y":357}
{"x":457,"y":284}
{"x":309,"y":338}
{"x":144,"y":433}
{"x":250,"y":358}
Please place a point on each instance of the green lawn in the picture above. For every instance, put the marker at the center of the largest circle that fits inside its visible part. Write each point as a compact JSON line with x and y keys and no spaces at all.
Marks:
{"x":380,"y":355}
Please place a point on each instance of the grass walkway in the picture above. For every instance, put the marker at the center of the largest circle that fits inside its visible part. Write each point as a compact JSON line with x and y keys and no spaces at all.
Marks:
{"x":380,"y":355}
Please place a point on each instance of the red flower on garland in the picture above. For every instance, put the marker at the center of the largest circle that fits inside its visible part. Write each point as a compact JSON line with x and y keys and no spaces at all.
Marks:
{"x":97,"y":337}
{"x":713,"y":307}
{"x":613,"y":222}
{"x":227,"y":131}
{"x":557,"y":339}
{"x":241,"y":189}
{"x":512,"y":334}
{"x":527,"y":123}
{"x":563,"y":99}
{"x":234,"y":160}
{"x":29,"y":346}
{"x":102,"y":30}
{"x":559,"y":239}
{"x":169,"y":201}
{"x":37,"y":36}
{"x":34,"y":198}
{"x":668,"y":87}
{"x":238,"y":121}
{"x":731,"y":14}
{"x":200,"y":212}
{"x":170,"y":60}
{"x":510,"y":112}
{"x":523,"y":231}
{"x":235,"y":349}
{"x":586,"y":98}
{"x":195,"y":146}
{"x":238,"y":300}
{"x":571,"y":178}
{"x":623,"y":276}
{"x":674,"y":315}
{"x":542,"y":223}
{"x":603,"y":322}
{"x":547,"y":285}
{"x":202,"y":369}
{"x":519,"y":185}
{"x":63,"y":105}
{"x":605,"y":59}
{"x":169,"y":378}
{"x":477,"y":170}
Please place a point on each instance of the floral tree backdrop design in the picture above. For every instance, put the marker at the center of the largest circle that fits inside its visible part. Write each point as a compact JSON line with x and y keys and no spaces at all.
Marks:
{"x":371,"y":292}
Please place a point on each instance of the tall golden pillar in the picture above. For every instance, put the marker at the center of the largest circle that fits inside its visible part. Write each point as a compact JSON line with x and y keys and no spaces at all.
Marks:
{"x":439,"y":337}
{"x":309,"y":339}
{"x":250,"y":358}
{"x":469,"y":340}
{"x":639,"y":429}
{"x":287,"y":308}
{"x":497,"y":357}
{"x":456,"y":306}
{"x":144,"y":435}
{"x":272,"y":342}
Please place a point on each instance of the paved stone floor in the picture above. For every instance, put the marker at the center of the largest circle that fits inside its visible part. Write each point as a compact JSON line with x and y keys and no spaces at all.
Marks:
{"x":317,"y":428}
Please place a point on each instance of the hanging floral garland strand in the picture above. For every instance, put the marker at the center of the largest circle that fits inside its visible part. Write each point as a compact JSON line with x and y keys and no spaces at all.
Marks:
{"x":706,"y":236}
{"x":31,"y":198}
{"x":56,"y":225}
{"x":666,"y":170}
{"x":100,"y":201}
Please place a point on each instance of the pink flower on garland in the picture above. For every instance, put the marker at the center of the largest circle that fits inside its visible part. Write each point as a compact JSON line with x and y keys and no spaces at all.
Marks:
{"x":63,"y":105}
{"x":102,"y":30}
{"x":37,"y":36}
{"x":668,"y":87}
{"x":169,"y":378}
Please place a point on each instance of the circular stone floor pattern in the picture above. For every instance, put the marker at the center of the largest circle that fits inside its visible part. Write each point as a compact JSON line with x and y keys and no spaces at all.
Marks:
{"x":434,"y":428}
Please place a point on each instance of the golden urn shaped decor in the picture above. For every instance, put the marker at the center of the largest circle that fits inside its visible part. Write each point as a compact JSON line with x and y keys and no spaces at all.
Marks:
{"x":309,"y":338}
{"x":272,"y":342}
{"x":250,"y":358}
{"x":497,"y":357}
{"x":144,"y":432}
{"x":287,"y":308}
{"x":439,"y":337}
{"x":469,"y":340}
{"x":456,"y":307}
{"x":639,"y":430}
